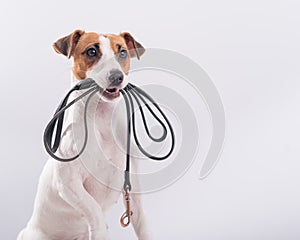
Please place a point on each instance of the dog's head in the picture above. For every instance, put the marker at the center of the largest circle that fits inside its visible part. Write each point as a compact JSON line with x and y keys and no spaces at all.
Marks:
{"x":103,"y":57}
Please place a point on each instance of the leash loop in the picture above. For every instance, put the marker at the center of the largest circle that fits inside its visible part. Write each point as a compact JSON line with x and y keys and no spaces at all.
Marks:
{"x":138,"y":93}
{"x":129,"y":93}
{"x":56,"y":123}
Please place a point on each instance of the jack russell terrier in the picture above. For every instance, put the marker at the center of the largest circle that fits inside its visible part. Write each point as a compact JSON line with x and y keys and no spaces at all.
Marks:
{"x":70,"y":203}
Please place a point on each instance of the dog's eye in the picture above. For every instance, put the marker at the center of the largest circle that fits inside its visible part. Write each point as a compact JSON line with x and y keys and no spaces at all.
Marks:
{"x":91,"y":52}
{"x":123,"y":54}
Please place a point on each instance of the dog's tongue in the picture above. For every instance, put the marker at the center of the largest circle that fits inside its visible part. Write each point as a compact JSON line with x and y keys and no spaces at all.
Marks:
{"x":111,"y":93}
{"x":112,"y":90}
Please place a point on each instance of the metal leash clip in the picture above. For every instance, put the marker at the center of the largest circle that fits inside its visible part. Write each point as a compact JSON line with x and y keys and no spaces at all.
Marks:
{"x":126,"y":216}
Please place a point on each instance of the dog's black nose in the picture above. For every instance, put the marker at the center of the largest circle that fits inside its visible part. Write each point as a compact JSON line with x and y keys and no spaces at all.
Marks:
{"x":115,"y":77}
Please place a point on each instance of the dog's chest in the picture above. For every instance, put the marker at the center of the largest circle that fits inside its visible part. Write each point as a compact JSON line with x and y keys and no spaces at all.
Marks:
{"x":104,"y":157}
{"x":107,"y":176}
{"x":100,"y":187}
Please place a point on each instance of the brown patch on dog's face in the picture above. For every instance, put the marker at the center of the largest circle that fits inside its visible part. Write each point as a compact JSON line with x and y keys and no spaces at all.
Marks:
{"x":85,"y":48}
{"x":119,"y":47}
{"x":86,"y":54}
{"x":135,"y":48}
{"x":125,"y":42}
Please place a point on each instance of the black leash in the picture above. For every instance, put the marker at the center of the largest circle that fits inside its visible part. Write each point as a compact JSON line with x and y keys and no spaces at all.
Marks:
{"x":138,"y":94}
{"x":129,"y":93}
{"x":56,"y":123}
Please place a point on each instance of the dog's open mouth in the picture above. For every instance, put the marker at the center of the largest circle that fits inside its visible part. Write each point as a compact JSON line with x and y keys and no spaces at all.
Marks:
{"x":111,"y":93}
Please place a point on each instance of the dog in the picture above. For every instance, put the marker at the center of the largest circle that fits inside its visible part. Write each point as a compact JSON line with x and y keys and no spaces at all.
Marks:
{"x":70,"y":203}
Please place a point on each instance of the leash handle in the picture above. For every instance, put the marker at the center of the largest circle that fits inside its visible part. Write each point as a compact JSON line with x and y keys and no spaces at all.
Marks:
{"x":126,"y":216}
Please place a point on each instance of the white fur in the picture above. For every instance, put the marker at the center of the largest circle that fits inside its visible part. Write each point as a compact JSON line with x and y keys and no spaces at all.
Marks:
{"x":107,"y":62}
{"x":70,"y":203}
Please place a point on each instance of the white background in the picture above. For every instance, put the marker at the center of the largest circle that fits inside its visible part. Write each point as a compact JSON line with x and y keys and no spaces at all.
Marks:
{"x":249,"y":48}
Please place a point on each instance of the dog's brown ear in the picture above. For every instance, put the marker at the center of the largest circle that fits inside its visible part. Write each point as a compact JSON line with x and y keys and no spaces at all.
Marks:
{"x":135,"y":48}
{"x":66,"y":45}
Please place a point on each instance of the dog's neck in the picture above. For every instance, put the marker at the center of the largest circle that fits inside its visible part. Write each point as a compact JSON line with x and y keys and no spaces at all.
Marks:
{"x":100,"y":113}
{"x":105,"y":107}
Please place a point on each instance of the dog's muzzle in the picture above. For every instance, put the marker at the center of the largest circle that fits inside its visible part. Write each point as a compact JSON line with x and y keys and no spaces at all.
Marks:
{"x":115,"y":77}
